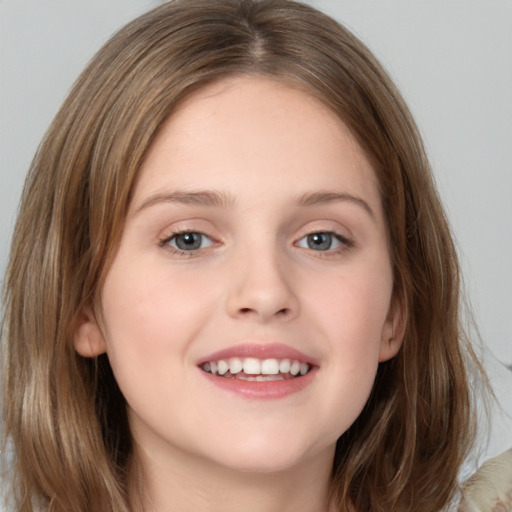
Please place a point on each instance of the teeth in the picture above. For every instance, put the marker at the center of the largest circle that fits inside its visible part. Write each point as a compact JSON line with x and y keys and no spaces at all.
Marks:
{"x":270,"y":367}
{"x":235,"y":365}
{"x":284,"y":366}
{"x":259,"y":378}
{"x":251,"y":368}
{"x":294,"y":368}
{"x":222,"y":367}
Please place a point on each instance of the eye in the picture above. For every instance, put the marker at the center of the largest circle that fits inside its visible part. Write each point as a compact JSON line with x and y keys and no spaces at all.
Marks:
{"x":322,"y":241}
{"x":188,"y":241}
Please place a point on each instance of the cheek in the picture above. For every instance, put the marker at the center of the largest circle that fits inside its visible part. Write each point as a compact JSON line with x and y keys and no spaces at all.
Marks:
{"x":151,"y":300}
{"x":351,"y":313}
{"x":353,"y":306}
{"x":151,"y":318}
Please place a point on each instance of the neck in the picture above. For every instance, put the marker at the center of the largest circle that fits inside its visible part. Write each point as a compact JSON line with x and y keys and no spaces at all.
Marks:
{"x":191,"y":485}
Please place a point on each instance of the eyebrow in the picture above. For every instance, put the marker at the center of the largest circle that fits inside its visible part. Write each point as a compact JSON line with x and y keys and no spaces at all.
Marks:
{"x":320,"y":198}
{"x":195,"y":198}
{"x":215,"y":198}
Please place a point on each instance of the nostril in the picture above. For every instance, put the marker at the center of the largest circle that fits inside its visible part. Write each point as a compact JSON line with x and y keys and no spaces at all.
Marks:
{"x":280,"y":312}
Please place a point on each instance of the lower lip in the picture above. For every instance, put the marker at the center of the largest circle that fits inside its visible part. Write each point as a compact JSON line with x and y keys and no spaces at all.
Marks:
{"x":267,"y":390}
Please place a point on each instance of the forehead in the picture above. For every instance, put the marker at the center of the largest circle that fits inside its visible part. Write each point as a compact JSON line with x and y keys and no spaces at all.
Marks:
{"x":243,"y":130}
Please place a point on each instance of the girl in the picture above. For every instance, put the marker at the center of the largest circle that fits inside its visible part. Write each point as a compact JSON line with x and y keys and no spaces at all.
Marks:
{"x":232,"y":284}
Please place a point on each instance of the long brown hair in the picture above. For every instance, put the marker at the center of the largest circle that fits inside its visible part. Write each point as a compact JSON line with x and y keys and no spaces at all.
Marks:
{"x":64,"y":414}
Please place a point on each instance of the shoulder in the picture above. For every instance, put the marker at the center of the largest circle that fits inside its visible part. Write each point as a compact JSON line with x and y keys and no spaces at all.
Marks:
{"x":490,"y":488}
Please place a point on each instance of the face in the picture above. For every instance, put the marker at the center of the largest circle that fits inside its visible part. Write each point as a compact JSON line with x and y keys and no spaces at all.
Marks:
{"x":250,"y":300}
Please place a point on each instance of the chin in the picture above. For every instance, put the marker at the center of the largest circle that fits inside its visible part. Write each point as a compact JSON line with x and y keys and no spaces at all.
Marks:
{"x":268,"y":454}
{"x":262,"y":465}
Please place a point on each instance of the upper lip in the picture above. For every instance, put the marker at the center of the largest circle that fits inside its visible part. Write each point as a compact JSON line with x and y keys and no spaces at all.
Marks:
{"x":260,"y":351}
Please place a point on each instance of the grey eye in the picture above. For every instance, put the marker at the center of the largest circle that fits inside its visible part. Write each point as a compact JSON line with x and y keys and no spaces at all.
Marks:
{"x":190,"y":241}
{"x":319,"y":241}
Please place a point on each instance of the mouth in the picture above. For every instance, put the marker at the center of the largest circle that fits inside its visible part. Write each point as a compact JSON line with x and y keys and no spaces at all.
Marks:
{"x":260,"y":371}
{"x":257,"y":370}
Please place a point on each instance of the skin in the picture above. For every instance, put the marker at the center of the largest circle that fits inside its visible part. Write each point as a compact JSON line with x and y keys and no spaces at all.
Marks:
{"x":263,"y":146}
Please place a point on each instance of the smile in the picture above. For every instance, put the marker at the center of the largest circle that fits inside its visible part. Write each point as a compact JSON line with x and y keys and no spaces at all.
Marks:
{"x":258,"y":370}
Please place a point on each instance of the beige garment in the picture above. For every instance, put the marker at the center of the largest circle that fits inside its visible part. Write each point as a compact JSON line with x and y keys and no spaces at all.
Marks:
{"x":490,"y":488}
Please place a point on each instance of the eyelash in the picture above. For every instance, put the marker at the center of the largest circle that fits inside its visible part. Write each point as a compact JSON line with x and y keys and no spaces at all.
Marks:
{"x":165,"y":242}
{"x":346,"y":244}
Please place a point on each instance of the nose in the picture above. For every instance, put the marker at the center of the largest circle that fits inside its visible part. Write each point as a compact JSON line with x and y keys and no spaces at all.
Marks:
{"x":262,"y":288}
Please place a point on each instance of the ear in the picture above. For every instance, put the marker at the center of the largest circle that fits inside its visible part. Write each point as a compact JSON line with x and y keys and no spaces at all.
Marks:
{"x":87,"y":337}
{"x":393,"y":331}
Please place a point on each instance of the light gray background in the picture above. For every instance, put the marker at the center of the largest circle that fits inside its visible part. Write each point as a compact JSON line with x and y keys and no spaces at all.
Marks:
{"x":452,"y":59}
